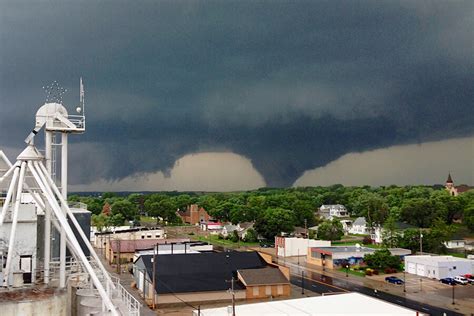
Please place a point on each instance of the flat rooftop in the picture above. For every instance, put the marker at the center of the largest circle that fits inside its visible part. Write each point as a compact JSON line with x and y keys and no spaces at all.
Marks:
{"x":436,"y":259}
{"x":340,"y":304}
{"x":340,"y":249}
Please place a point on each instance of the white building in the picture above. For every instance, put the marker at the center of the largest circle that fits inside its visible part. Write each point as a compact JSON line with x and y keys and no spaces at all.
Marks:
{"x":102,"y":238}
{"x":338,"y":304}
{"x":438,"y":267}
{"x":455,"y":244}
{"x":227,"y":230}
{"x":331,"y":211}
{"x":25,"y":255}
{"x":360,"y":227}
{"x":292,"y":246}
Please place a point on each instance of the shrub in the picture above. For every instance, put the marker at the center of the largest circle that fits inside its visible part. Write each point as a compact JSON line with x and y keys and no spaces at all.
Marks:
{"x":367,"y":240}
{"x":390,"y":270}
{"x":376,"y":272}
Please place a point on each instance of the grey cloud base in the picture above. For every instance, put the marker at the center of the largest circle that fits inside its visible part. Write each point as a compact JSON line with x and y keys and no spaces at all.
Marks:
{"x":291,"y":86}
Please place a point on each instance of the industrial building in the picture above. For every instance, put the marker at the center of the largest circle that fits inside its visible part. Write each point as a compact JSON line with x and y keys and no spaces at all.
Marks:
{"x":438,"y":267}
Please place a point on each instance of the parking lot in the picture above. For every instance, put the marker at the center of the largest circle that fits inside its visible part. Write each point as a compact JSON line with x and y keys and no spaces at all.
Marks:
{"x":416,"y":284}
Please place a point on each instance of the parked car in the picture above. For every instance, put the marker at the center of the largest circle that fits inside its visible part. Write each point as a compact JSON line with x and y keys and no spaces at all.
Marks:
{"x":470,"y":278}
{"x":461,"y":280}
{"x":394,"y":280}
{"x":449,"y":281}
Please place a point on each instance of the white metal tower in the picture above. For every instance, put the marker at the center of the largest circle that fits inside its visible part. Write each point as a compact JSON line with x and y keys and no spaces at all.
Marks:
{"x":54,"y":117}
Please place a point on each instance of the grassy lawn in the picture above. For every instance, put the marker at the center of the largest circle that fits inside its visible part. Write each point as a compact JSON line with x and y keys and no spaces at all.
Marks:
{"x":353,"y":243}
{"x":147,"y":219}
{"x":213,"y":239}
{"x":352,"y":272}
{"x":456,"y":254}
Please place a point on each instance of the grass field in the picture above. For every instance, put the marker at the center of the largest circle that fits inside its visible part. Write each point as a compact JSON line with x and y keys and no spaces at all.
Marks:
{"x":353,"y":243}
{"x":213,"y":239}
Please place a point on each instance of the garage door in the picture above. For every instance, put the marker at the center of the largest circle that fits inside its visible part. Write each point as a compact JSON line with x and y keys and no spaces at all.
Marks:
{"x":420,"y":269}
{"x":411,"y":268}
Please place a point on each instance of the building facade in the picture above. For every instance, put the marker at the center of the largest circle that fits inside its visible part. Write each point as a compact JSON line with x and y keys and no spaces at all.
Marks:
{"x":194,"y":215}
{"x":293,"y":246}
{"x":438,"y":267}
{"x":332,"y":211}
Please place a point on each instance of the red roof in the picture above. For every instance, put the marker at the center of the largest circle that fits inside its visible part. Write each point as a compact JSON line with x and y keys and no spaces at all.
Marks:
{"x":133,"y":245}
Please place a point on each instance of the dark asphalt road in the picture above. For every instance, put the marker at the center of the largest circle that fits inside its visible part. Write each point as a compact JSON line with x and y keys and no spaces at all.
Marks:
{"x":323,"y":284}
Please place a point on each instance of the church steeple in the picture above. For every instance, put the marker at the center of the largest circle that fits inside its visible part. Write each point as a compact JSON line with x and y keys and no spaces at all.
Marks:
{"x":450,"y":180}
{"x":450,"y":186}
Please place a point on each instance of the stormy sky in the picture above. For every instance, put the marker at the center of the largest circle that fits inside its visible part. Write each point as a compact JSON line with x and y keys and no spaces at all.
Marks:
{"x":286,"y":87}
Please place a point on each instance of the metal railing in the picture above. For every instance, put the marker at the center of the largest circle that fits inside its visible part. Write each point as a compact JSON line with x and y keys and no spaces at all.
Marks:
{"x":78,"y":205}
{"x":114,"y":288}
{"x":132,"y":304}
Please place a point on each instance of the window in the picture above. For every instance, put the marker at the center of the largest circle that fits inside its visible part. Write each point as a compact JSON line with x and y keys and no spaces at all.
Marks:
{"x":280,"y":289}
{"x":255,"y":291}
{"x":268,"y":290}
{"x":454,"y":268}
{"x":157,"y":235}
{"x":143,"y":236}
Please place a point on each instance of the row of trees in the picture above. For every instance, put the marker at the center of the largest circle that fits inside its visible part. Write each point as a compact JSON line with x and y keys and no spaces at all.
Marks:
{"x":280,"y":210}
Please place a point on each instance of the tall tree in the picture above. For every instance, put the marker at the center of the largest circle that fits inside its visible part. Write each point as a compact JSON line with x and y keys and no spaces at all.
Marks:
{"x":125,"y":208}
{"x":274,"y":222}
{"x":330,"y":230}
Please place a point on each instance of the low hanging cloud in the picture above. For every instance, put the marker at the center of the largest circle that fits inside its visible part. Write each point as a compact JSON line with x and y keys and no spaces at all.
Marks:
{"x":199,"y":172}
{"x":427,"y":163}
{"x":290,"y":86}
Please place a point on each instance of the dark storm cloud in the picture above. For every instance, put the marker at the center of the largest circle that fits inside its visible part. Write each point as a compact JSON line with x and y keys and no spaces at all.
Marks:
{"x":292,"y":86}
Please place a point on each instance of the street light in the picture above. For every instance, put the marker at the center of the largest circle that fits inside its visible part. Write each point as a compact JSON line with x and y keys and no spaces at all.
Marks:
{"x":347,"y":270}
{"x":302,"y":282}
{"x":404,"y":281}
{"x":453,"y":293}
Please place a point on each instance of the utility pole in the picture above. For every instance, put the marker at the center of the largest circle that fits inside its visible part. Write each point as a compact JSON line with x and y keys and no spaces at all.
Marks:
{"x":118,"y":257}
{"x":306,"y":228}
{"x":154,"y":276}
{"x":421,"y":242}
{"x":231,"y":291}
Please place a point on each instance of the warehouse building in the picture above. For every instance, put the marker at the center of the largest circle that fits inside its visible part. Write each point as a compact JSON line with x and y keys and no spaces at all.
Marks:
{"x":438,"y":267}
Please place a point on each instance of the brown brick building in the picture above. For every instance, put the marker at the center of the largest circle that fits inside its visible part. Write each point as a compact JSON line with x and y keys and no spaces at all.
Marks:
{"x":194,"y":215}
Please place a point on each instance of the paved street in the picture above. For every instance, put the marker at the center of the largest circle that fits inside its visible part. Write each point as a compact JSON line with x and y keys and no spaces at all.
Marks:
{"x":433,"y":297}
